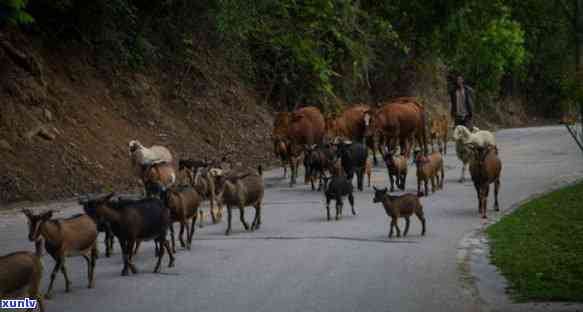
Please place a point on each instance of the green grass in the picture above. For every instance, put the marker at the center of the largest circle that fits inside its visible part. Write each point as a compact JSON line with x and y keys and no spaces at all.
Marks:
{"x":539,"y":247}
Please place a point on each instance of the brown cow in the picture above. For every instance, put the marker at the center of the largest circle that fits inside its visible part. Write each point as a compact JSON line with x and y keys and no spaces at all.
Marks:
{"x":352,"y":124}
{"x":399,"y":120}
{"x":307,"y":127}
{"x":279,"y":138}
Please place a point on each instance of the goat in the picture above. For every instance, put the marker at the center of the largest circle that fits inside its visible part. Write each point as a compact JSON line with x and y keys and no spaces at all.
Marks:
{"x":20,"y":275}
{"x":368,"y":170}
{"x":463,"y":137}
{"x":205,"y":185}
{"x":439,"y":133}
{"x":161,"y":173}
{"x":183,"y":203}
{"x":241,"y":188}
{"x":133,"y":221}
{"x":429,"y":168}
{"x":141,"y":155}
{"x":64,"y":238}
{"x":318,"y":160}
{"x":353,"y":157}
{"x":485,"y":168}
{"x":281,"y":150}
{"x":400,"y":206}
{"x":335,"y":188}
{"x":396,"y":169}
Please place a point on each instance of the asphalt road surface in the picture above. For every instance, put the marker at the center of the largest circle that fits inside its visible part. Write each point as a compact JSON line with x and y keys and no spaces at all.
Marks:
{"x":298,"y":261}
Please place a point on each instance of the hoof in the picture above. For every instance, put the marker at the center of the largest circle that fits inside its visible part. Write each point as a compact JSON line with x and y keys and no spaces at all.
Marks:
{"x":171,"y":264}
{"x":227,"y":233}
{"x":124,"y":273}
{"x":48,"y":296}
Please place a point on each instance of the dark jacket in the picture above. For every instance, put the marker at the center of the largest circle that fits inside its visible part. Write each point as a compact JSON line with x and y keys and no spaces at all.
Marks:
{"x":469,"y":101}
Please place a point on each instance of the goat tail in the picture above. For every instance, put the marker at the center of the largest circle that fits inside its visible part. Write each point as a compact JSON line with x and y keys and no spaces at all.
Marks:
{"x":260,"y":170}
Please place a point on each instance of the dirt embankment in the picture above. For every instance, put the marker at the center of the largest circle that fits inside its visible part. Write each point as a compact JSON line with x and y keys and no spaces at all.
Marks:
{"x":65,"y":120}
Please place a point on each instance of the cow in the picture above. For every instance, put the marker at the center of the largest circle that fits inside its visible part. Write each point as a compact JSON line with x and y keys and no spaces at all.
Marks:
{"x":307,"y":127}
{"x":399,"y":120}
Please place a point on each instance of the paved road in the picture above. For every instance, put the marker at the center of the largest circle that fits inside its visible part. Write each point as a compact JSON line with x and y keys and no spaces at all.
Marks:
{"x":299,"y":262}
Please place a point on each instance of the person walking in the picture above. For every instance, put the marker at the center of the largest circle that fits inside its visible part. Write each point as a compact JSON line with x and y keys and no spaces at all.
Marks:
{"x":462,"y":102}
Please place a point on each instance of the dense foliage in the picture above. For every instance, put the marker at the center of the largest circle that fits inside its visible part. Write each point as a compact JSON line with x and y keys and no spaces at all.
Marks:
{"x":319,"y":51}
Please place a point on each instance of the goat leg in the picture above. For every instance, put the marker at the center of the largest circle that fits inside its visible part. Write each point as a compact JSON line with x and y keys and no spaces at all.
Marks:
{"x":351,"y":201}
{"x":496,"y":189}
{"x":163,"y":245}
{"x":171,"y":228}
{"x":391,"y":228}
{"x":242,"y":217}
{"x":181,"y":234}
{"x":229,"y":217}
{"x":328,"y":208}
{"x":65,"y":275}
{"x":56,"y":268}
{"x":170,"y":256}
{"x":397,"y":226}
{"x":191,"y":233}
{"x":407,"y":221}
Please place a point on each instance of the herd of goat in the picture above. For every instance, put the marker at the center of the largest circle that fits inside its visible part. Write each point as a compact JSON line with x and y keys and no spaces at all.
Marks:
{"x":332,"y":150}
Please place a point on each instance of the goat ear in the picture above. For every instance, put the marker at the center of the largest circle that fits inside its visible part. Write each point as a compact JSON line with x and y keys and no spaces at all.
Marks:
{"x":109,"y":196}
{"x":47,"y":215}
{"x":375,"y":188}
{"x":27,"y":212}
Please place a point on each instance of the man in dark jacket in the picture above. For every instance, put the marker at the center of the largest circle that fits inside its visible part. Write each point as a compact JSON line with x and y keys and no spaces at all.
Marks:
{"x":462,"y":102}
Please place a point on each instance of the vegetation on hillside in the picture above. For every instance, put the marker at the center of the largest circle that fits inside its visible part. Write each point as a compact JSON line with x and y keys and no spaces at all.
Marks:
{"x":319,"y":51}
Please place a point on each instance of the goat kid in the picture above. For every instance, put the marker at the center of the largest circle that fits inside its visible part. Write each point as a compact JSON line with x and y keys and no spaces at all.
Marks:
{"x":400,"y":207}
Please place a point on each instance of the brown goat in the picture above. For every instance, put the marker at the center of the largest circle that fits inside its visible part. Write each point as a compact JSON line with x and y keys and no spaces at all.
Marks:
{"x":485,"y":168}
{"x":183,"y":204}
{"x":400,"y":206}
{"x":65,"y":238}
{"x":161,"y":174}
{"x":397,"y":169}
{"x":241,"y":188}
{"x":20,"y":275}
{"x":438,"y":133}
{"x":429,"y":168}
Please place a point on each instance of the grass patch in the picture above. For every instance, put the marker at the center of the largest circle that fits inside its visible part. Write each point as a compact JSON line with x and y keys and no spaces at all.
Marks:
{"x":539,"y":247}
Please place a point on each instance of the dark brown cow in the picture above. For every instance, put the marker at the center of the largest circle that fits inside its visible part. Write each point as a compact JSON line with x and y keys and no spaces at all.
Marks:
{"x":307,"y":127}
{"x":352,"y":124}
{"x":399,"y":120}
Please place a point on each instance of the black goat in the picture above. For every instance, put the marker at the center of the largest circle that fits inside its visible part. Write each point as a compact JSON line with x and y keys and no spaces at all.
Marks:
{"x":134,"y":221}
{"x":353,"y":157}
{"x":336,"y":187}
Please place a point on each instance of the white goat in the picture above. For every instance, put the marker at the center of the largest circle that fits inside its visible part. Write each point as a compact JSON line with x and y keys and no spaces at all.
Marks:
{"x":146,"y":156}
{"x":463,"y":137}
